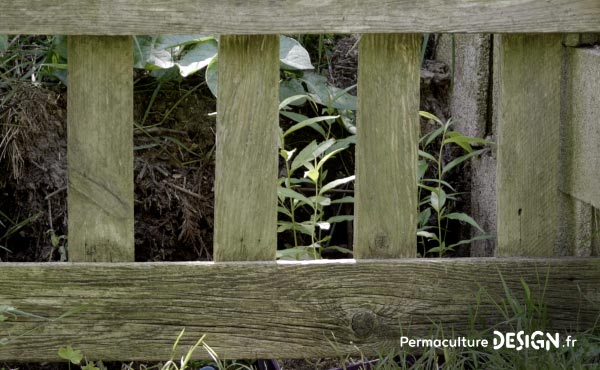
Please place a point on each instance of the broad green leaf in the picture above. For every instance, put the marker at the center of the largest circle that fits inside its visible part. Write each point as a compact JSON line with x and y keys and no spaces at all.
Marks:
{"x":310,"y":153}
{"x":424,"y":216}
{"x":198,"y":57}
{"x":147,"y":56}
{"x":327,"y":95}
{"x":438,"y":199}
{"x":323,"y":201}
{"x":289,"y":193}
{"x":465,"y":218}
{"x":212,"y":75}
{"x":460,"y":160}
{"x":347,"y":199}
{"x":430,"y":116}
{"x":336,"y":183}
{"x":292,"y":55}
{"x":292,"y":87}
{"x":68,"y":353}
{"x":341,"y":218}
{"x":308,"y":122}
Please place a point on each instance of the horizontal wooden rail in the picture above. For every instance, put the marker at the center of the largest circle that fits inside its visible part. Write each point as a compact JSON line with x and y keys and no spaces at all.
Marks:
{"x":281,"y":310}
{"x":130,"y":17}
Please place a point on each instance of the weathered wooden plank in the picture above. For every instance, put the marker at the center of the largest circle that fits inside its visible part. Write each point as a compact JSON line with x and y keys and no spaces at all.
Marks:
{"x":527,"y":108}
{"x":581,"y":126}
{"x":100,"y":149}
{"x":246,"y":159}
{"x":387,"y":144}
{"x":291,"y":310}
{"x":132,"y":17}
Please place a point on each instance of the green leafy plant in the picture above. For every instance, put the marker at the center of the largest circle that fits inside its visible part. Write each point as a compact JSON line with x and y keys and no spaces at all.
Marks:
{"x":436,"y":195}
{"x":311,"y":160}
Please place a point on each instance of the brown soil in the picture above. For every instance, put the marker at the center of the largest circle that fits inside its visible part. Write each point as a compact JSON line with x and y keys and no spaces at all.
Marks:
{"x":174,"y":171}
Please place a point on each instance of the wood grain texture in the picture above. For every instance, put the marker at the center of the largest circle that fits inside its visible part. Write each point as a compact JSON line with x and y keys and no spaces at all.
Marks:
{"x":275,"y":310}
{"x":246,"y":159}
{"x":527,"y":70}
{"x":581,"y":126}
{"x":131,"y":17}
{"x":387,"y":146}
{"x":100,"y":149}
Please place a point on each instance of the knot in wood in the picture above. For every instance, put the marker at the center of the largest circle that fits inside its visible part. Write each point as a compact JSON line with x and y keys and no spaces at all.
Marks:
{"x":363,"y":323}
{"x":381,"y":241}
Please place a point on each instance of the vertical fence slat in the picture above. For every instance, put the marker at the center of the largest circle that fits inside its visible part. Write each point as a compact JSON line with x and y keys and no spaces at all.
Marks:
{"x":387,"y":144}
{"x":527,"y":82}
{"x":246,"y":163}
{"x":100,"y":149}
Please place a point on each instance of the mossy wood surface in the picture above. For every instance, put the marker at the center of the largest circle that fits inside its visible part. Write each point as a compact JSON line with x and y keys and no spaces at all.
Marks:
{"x":273,"y":310}
{"x":246,"y":159}
{"x":527,"y":70}
{"x":135,"y":17}
{"x":581,"y":129}
{"x":386,"y":146}
{"x":100,"y":149}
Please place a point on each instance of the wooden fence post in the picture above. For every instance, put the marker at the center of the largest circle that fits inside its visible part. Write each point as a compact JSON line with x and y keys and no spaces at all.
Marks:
{"x":100,"y":149}
{"x":527,"y":109}
{"x":386,"y":202}
{"x":246,"y":163}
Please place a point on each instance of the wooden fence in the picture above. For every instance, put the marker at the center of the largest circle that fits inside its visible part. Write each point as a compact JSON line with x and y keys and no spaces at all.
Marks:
{"x":256,"y":307}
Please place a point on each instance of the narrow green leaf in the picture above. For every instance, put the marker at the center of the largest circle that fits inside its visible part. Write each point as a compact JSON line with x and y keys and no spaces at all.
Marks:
{"x":336,"y":183}
{"x":427,"y":156}
{"x":461,"y":159}
{"x":481,"y":237}
{"x":348,"y":199}
{"x":291,"y":100}
{"x":340,"y":218}
{"x":310,"y":153}
{"x":289,"y":193}
{"x":465,"y":218}
{"x":308,"y":122}
{"x":430,"y":116}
